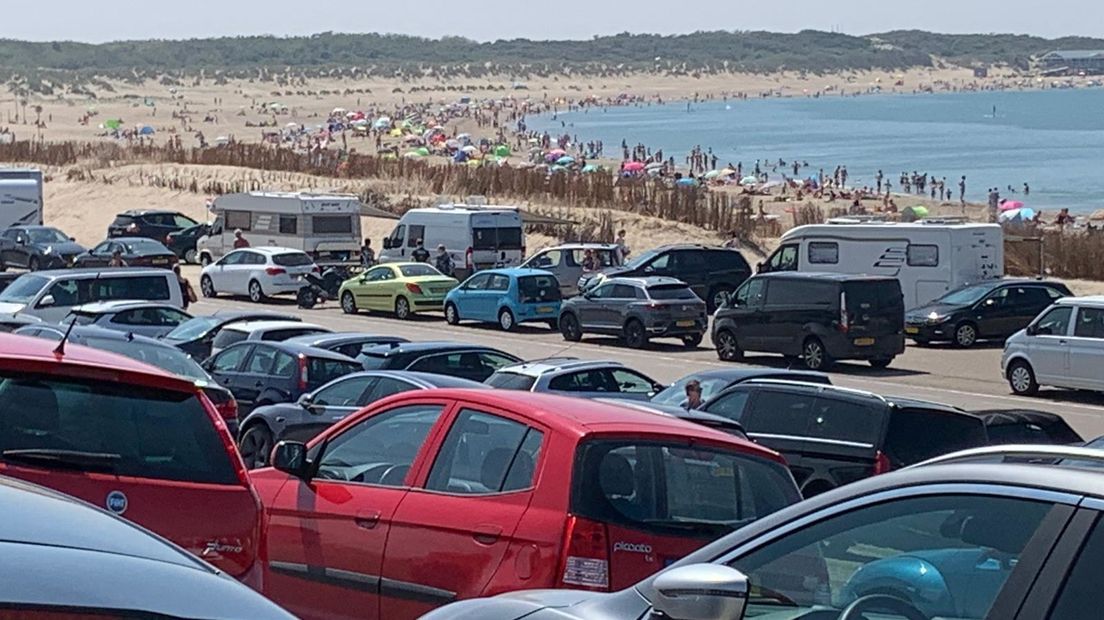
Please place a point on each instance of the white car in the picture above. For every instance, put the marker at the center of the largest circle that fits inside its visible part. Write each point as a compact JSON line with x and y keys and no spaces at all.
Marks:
{"x":270,"y":331}
{"x":257,"y":272}
{"x":1063,"y":347}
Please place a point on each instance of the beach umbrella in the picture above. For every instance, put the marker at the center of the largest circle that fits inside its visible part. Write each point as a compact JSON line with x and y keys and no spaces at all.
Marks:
{"x":557,"y":152}
{"x":413,"y":155}
{"x":727,"y":172}
{"x":502,"y":150}
{"x":749,"y":180}
{"x":469,"y":149}
{"x":633,"y":166}
{"x":146,"y":130}
{"x":337,"y":111}
{"x":113,"y":123}
{"x":655,"y":165}
{"x":566,"y":160}
{"x":687,"y":182}
{"x":911,"y":214}
{"x":712,"y":174}
{"x":1097,"y":215}
{"x":423,"y":151}
{"x":1009,"y":205}
{"x":589,"y":168}
{"x":1016,"y":216}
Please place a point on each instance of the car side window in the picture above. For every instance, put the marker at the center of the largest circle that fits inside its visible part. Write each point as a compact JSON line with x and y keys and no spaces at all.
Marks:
{"x":661,"y":263}
{"x":629,"y":382}
{"x":499,"y":283}
{"x":397,"y":236}
{"x":229,"y":360}
{"x":1080,"y":595}
{"x":261,"y":362}
{"x":690,"y":262}
{"x":623,"y":291}
{"x":233,"y":258}
{"x":494,"y":361}
{"x":1054,"y":323}
{"x":68,"y":293}
{"x":379,"y":274}
{"x":547,"y":260}
{"x":417,"y":231}
{"x":751,"y":294}
{"x":844,"y":420}
{"x":1033,"y":297}
{"x":1090,"y":323}
{"x":914,"y":549}
{"x":484,"y":454}
{"x":785,"y":259}
{"x":478,"y":282}
{"x":284,"y":365}
{"x":780,"y":413}
{"x":582,"y":381}
{"x":384,"y":387}
{"x":603,"y":292}
{"x":134,"y":317}
{"x":1053,"y":293}
{"x":103,"y":248}
{"x":346,"y":393}
{"x":12,"y":233}
{"x":380,"y":449}
{"x":730,"y":405}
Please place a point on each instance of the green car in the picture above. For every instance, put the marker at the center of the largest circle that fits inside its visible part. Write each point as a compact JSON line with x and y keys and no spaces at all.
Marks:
{"x":402,"y":288}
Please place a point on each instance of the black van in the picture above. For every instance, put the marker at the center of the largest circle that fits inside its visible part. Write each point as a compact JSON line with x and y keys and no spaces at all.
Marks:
{"x":817,"y":317}
{"x":831,"y":436}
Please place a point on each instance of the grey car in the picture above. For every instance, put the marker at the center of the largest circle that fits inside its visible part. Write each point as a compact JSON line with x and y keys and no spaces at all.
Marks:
{"x":637,"y":310}
{"x":345,"y":343}
{"x":37,"y":247}
{"x":316,"y":411}
{"x":143,"y":318}
{"x":1005,"y":533}
{"x":573,"y":377}
{"x":568,"y":263}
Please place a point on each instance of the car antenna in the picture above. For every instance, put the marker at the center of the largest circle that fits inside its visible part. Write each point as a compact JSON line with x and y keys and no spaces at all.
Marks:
{"x":59,"y":350}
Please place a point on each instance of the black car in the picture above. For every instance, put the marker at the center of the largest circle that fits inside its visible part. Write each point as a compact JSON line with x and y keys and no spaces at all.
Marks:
{"x":815,"y":317}
{"x":1025,"y":426}
{"x":832,"y":436}
{"x":988,"y":311}
{"x":713,"y":273}
{"x":316,"y":411}
{"x":636,"y":310}
{"x":472,"y":362}
{"x":183,"y":242}
{"x":135,"y":251}
{"x":150,"y":223}
{"x":265,"y":373}
{"x":195,"y":336}
{"x":714,"y":382}
{"x":37,"y":247}
{"x":345,"y":343}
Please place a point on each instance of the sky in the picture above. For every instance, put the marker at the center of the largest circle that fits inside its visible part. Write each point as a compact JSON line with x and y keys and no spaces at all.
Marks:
{"x":108,"y":20}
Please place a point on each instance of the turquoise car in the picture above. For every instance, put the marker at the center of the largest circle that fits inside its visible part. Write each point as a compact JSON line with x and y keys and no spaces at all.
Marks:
{"x":506,"y":297}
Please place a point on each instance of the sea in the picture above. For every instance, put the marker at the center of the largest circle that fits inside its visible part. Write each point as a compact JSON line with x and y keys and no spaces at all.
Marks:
{"x":1053,"y":140}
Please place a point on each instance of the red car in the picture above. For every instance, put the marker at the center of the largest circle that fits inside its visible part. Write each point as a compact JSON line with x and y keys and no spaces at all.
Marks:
{"x":432,"y":496}
{"x":134,"y":439}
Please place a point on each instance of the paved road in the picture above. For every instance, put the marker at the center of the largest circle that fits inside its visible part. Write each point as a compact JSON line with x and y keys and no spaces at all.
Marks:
{"x":965,"y":378}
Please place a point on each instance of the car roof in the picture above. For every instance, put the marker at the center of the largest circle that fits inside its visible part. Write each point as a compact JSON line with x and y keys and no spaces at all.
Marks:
{"x":93,"y":331}
{"x":237,"y":315}
{"x":1012,"y":417}
{"x":902,"y":402}
{"x":693,"y":246}
{"x":399,"y":348}
{"x":646,"y":281}
{"x":105,"y":271}
{"x":266,"y":325}
{"x":1095,"y":301}
{"x":736,"y":375}
{"x":833,"y":277}
{"x":139,"y":212}
{"x":581,"y":246}
{"x":424,"y":379}
{"x":270,"y":250}
{"x":337,"y":338}
{"x":537,"y":368}
{"x":295,"y":348}
{"x":103,"y":307}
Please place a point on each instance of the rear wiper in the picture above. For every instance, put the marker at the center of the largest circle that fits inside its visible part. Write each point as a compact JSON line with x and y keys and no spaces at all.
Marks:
{"x":688,"y":525}
{"x":64,"y":459}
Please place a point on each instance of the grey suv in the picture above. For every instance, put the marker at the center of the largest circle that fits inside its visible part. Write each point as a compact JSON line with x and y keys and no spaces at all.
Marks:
{"x":637,"y":310}
{"x":572,"y":377}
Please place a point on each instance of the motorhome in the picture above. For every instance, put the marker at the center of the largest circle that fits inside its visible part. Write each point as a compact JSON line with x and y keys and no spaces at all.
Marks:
{"x":476,"y":236}
{"x":20,"y":197}
{"x":929,"y":258}
{"x":325,"y":226}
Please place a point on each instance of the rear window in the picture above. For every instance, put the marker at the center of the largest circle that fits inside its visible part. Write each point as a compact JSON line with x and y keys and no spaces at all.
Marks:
{"x":151,"y":288}
{"x":321,"y":371}
{"x":140,"y":246}
{"x":870,"y":295}
{"x":511,"y":381}
{"x":669,"y":291}
{"x":915,"y":435}
{"x":125,"y":430}
{"x":535,"y":289}
{"x":372,"y":362}
{"x":497,"y":238}
{"x":280,"y":335}
{"x":332,"y":224}
{"x":414,"y":271}
{"x":292,"y":259}
{"x":228,"y":337}
{"x":669,"y":488}
{"x":1027,"y":432}
{"x":122,"y":220}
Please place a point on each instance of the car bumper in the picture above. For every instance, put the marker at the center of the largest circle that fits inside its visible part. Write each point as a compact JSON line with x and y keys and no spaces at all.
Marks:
{"x":929,"y":331}
{"x":858,"y":347}
{"x":537,"y":312}
{"x":677,"y":327}
{"x":282,"y":288}
{"x":422,"y":304}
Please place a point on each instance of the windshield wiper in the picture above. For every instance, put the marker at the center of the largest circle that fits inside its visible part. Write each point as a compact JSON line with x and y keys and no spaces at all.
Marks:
{"x":64,"y":459}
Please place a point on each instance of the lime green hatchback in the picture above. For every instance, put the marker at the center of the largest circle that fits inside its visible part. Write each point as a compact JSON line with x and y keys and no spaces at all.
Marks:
{"x":402,"y":288}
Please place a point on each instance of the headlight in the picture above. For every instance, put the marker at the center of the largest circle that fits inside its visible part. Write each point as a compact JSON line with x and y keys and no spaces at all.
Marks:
{"x":935,"y":317}
{"x":49,"y":250}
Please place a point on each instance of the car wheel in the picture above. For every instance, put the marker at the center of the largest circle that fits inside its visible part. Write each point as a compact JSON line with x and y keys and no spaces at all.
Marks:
{"x":402,"y":308}
{"x":881,"y":363}
{"x":256,"y":295}
{"x":815,"y":355}
{"x":190,"y":257}
{"x":452,"y":315}
{"x":33,"y":264}
{"x":965,"y":335}
{"x":204,"y":259}
{"x":1021,"y":378}
{"x":256,"y":446}
{"x":635,"y":336}
{"x":717,"y":296}
{"x":692,"y":342}
{"x":348,"y":303}
{"x":554,"y":324}
{"x":728,"y":349}
{"x":207,"y":287}
{"x":506,"y":320}
{"x":569,"y":328}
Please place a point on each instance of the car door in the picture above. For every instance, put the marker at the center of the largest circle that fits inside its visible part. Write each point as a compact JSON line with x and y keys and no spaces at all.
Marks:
{"x":780,"y":420}
{"x":1029,"y":304}
{"x":488,"y":302}
{"x":614,"y":310}
{"x":470,"y":503}
{"x":376,"y":292}
{"x":327,"y":535}
{"x":690,"y":266}
{"x":467,"y":301}
{"x":334,"y":402}
{"x":745,"y":314}
{"x":13,"y":243}
{"x":221,"y":273}
{"x":225,"y":367}
{"x":256,"y":376}
{"x":99,"y":256}
{"x":593,"y":312}
{"x":1050,"y":346}
{"x":596,"y":383}
{"x":1087,"y":349}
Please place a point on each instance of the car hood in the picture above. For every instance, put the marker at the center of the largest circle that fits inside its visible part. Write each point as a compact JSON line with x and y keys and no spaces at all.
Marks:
{"x":7,"y":307}
{"x":514,"y":605}
{"x":68,"y":247}
{"x":938,"y":308}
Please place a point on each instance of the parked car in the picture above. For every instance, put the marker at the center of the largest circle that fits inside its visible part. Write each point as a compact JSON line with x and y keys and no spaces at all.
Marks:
{"x":264,"y":330}
{"x":150,"y":223}
{"x":11,"y":322}
{"x":832,"y":436}
{"x":506,"y":297}
{"x":195,"y":335}
{"x":957,"y":539}
{"x":6,"y":278}
{"x":149,"y":351}
{"x":472,"y":362}
{"x":566,"y":262}
{"x":183,"y":242}
{"x":144,"y":443}
{"x":714,"y":382}
{"x":992,"y":310}
{"x":264,"y":373}
{"x":53,"y":541}
{"x":37,"y":247}
{"x":135,"y":251}
{"x":814,"y":317}
{"x":50,"y":295}
{"x":636,"y":310}
{"x":713,"y":273}
{"x":1063,"y":347}
{"x":316,"y":411}
{"x":257,"y":272}
{"x":522,"y":490}
{"x":572,"y":377}
{"x":402,"y":288}
{"x":716,"y":422}
{"x":1024,"y":426}
{"x":345,"y":343}
{"x":145,"y":318}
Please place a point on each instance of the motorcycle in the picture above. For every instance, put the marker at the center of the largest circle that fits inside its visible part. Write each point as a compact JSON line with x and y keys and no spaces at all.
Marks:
{"x":318,"y":288}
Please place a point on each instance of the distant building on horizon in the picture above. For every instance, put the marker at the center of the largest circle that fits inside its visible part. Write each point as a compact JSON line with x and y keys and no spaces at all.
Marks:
{"x":1073,"y":62}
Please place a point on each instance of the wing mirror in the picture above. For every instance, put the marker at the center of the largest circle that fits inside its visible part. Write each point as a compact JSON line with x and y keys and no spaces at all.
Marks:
{"x":387,"y":243}
{"x":306,"y":401}
{"x":759,"y":267}
{"x":290,"y":457}
{"x":726,"y":298}
{"x":701,"y":592}
{"x":46,"y":301}
{"x":20,"y":241}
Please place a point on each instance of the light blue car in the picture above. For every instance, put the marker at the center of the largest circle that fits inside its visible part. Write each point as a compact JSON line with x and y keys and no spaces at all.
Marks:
{"x":506,"y":297}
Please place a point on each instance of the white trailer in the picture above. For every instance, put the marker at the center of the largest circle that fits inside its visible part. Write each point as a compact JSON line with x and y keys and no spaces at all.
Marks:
{"x":929,"y":258}
{"x":325,"y":226}
{"x":20,"y":197}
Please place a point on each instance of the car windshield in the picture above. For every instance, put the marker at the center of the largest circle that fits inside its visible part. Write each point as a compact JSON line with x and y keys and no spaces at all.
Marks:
{"x":414,"y":271}
{"x":23,"y":289}
{"x":676,"y":394}
{"x":641,"y":260}
{"x":167,"y":358}
{"x":321,"y":371}
{"x":47,"y":235}
{"x":143,"y":246}
{"x":965,"y":296}
{"x":192,"y":328}
{"x":511,"y":381}
{"x":292,"y":259}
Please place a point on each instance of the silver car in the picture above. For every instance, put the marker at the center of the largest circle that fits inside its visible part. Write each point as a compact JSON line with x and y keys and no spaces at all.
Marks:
{"x":143,"y":318}
{"x":573,"y":377}
{"x":568,"y":262}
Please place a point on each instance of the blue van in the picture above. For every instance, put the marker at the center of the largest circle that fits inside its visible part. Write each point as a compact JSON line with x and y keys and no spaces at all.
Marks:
{"x":506,"y":297}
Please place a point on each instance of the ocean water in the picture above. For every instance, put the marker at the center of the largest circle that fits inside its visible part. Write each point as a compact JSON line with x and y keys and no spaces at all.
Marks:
{"x":1053,"y":140}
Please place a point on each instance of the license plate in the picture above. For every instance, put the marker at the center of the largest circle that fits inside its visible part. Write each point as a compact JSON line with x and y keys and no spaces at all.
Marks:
{"x":160,"y":261}
{"x":864,"y":342}
{"x":685,"y":324}
{"x":544,"y":310}
{"x":912,"y":330}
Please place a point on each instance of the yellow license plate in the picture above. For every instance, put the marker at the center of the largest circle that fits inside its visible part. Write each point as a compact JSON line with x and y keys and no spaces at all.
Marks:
{"x":685,"y":323}
{"x":912,"y":330}
{"x":544,"y":310}
{"x":864,"y":342}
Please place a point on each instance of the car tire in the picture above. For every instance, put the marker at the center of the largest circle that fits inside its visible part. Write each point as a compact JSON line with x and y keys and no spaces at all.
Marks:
{"x":815,"y":355}
{"x":554,"y":325}
{"x":728,"y":348}
{"x":965,"y":335}
{"x":881,"y":363}
{"x":1021,"y":378}
{"x":256,"y":293}
{"x":190,"y":257}
{"x":348,"y":303}
{"x":452,"y":314}
{"x":402,"y":309}
{"x":207,"y":287}
{"x":716,"y":297}
{"x":256,"y":445}
{"x":506,"y":321}
{"x":634,"y":334}
{"x":204,"y":259}
{"x":33,"y":264}
{"x":693,"y":342}
{"x":570,"y":328}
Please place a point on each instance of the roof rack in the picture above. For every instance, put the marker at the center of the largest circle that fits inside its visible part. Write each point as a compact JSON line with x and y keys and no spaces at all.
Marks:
{"x":837,"y":388}
{"x":1037,"y":454}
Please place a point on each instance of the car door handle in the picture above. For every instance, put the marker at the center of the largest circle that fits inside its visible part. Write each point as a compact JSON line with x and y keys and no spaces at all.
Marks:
{"x":259,"y":384}
{"x":1063,"y":342}
{"x":367,"y":520}
{"x":487,"y":534}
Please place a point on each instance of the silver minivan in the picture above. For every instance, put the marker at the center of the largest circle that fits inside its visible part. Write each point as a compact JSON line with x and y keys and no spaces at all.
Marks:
{"x":568,"y":262}
{"x":51,"y":295}
{"x":1063,"y":347}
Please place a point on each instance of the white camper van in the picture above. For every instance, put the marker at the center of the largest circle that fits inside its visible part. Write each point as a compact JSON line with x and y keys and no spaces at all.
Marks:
{"x":20,"y":197}
{"x":325,"y":226}
{"x":929,"y":258}
{"x":477,"y":236}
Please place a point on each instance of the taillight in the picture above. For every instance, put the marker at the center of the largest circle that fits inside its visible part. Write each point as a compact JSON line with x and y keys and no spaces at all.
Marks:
{"x":468,"y":260}
{"x":585,"y":562}
{"x":275,"y":271}
{"x":304,"y":375}
{"x":413,"y":288}
{"x":881,"y":463}
{"x":168,"y":239}
{"x":316,"y":269}
{"x":132,"y":228}
{"x":228,"y":443}
{"x":228,"y":409}
{"x":844,"y":323}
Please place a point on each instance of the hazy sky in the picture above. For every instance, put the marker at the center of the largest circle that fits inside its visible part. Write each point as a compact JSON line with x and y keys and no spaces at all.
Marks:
{"x":105,"y":20}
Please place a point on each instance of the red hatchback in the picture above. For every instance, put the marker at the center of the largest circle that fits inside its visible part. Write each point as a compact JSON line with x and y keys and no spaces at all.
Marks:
{"x":133,"y":439}
{"x":433,"y":496}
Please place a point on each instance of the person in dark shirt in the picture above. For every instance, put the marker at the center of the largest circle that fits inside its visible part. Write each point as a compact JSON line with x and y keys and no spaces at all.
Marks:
{"x":443,"y":262}
{"x":420,"y":254}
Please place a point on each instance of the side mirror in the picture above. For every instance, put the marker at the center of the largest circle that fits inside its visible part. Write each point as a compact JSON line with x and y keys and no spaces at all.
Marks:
{"x":387,"y":243}
{"x":290,"y":457}
{"x":73,"y":239}
{"x":649,"y":269}
{"x":701,"y":592}
{"x":726,"y":298}
{"x":306,"y":401}
{"x":1036,"y":330}
{"x":46,"y":301}
{"x":759,"y":268}
{"x":20,"y":241}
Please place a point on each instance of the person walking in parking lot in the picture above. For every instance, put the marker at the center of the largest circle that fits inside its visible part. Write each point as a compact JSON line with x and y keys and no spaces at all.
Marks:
{"x":622,"y":247}
{"x":443,"y":261}
{"x":693,"y":395}
{"x":420,"y":254}
{"x":187,"y":293}
{"x":117,"y":259}
{"x":367,"y":254}
{"x":239,"y":240}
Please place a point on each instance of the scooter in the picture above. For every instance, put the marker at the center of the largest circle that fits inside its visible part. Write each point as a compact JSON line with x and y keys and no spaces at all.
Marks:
{"x":317,"y":288}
